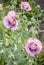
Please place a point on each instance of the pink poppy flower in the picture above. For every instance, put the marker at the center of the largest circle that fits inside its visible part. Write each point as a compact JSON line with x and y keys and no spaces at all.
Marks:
{"x":33,"y":47}
{"x":25,"y":6}
{"x":1,"y":5}
{"x":10,"y":21}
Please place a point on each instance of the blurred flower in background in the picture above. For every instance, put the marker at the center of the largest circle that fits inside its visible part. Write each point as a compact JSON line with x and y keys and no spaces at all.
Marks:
{"x":26,"y":6}
{"x":33,"y":47}
{"x":1,"y":6}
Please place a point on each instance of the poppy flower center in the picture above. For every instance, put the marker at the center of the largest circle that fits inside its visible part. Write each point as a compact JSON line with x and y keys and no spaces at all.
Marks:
{"x":25,"y":6}
{"x":12,"y":21}
{"x":33,"y":47}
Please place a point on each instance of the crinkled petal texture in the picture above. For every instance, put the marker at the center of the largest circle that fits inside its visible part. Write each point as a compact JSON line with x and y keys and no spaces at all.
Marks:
{"x":30,"y":44}
{"x":6,"y":22}
{"x":10,"y":21}
{"x":26,"y":6}
{"x":11,"y":14}
{"x":1,"y":5}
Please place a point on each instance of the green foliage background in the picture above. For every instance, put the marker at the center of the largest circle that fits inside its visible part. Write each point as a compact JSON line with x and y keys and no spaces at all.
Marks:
{"x":12,"y":50}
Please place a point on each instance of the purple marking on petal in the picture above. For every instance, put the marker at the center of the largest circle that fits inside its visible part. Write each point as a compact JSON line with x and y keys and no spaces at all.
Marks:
{"x":14,"y":26}
{"x":33,"y":49}
{"x":9,"y":22}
